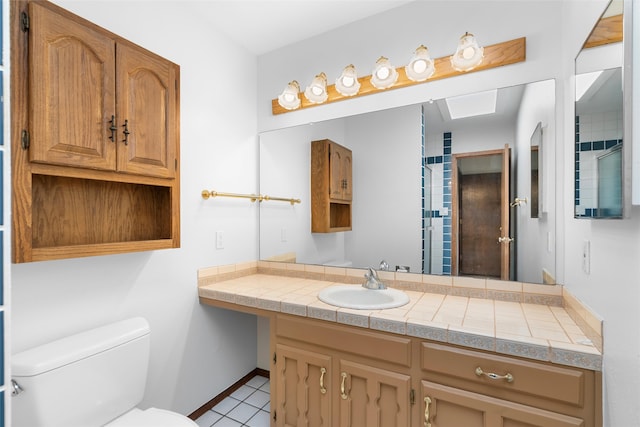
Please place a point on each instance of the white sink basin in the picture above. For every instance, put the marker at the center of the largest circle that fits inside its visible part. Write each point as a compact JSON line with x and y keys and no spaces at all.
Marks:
{"x":360,"y":298}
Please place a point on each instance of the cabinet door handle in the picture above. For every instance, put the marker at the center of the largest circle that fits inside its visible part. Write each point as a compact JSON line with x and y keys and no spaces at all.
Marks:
{"x":126,"y":132}
{"x":323,"y":371}
{"x":113,"y":128}
{"x":507,"y":377}
{"x":343,"y":395}
{"x":427,"y":415}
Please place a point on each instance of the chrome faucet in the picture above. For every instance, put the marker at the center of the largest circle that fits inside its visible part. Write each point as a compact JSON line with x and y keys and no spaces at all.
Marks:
{"x":373,"y":282}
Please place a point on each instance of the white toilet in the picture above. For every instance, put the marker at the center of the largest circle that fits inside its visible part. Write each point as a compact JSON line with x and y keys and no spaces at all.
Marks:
{"x":94,"y":378}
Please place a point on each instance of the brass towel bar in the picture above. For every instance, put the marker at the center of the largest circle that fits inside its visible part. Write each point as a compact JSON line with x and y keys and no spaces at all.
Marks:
{"x":253,"y":197}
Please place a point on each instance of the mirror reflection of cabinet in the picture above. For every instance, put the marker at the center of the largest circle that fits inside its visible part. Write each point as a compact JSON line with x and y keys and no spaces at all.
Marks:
{"x":331,"y":187}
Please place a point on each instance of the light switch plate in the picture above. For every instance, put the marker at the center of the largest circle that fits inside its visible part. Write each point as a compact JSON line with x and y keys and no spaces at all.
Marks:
{"x":586,"y":256}
{"x":219,"y":241}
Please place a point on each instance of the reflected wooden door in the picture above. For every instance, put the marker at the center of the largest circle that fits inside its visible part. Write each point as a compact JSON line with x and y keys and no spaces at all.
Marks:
{"x":480,"y":243}
{"x":505,"y":236}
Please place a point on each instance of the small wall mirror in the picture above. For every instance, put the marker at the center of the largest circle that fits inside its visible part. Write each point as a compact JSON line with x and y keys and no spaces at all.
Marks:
{"x":599,"y":124}
{"x":536,"y":174}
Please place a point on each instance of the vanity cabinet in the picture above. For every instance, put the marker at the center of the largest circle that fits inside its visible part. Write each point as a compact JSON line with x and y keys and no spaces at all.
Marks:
{"x":324,"y":376}
{"x":95,"y":139}
{"x":331,"y":187}
{"x":332,"y":373}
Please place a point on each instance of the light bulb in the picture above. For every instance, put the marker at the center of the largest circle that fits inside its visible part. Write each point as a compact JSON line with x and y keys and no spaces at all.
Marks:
{"x":347,"y":84}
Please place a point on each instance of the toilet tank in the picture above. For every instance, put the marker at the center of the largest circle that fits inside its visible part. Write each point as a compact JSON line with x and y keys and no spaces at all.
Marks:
{"x":83,"y":380}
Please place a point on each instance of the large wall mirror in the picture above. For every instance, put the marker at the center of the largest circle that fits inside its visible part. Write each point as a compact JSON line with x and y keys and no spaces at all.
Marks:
{"x":444,"y":187}
{"x":599,"y":121}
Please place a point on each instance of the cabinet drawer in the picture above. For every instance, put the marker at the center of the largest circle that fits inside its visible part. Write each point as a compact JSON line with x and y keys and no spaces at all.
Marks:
{"x":550,"y":382}
{"x":377,"y":346}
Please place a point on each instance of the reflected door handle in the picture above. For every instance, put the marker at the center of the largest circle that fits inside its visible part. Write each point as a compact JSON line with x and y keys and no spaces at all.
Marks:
{"x":505,"y":240}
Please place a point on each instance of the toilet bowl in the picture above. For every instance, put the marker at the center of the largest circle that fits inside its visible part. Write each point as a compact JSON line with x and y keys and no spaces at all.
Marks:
{"x":152,"y":417}
{"x":94,"y":378}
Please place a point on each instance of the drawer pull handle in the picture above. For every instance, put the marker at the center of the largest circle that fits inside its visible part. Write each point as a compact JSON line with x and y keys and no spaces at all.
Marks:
{"x":323,"y":371}
{"x":343,"y":395}
{"x":508,"y":377}
{"x":427,"y":416}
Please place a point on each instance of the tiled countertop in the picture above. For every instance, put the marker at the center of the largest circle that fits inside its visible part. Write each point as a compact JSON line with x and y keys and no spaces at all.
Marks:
{"x":534,"y":331}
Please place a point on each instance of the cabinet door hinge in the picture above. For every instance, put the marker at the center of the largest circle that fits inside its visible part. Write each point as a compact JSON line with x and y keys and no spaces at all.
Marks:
{"x":25,"y":140}
{"x":175,"y":166}
{"x":275,"y":415}
{"x":412,"y":397}
{"x":24,"y":22}
{"x":275,"y":358}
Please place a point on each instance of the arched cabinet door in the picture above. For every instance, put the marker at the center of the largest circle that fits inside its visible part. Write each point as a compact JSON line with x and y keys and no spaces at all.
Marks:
{"x":146,"y":87}
{"x":72,"y":91}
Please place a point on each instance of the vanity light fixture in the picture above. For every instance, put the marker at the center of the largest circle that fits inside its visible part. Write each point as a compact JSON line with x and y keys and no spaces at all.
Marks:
{"x":468,"y":54}
{"x":347,"y":84}
{"x":421,"y":66}
{"x":386,"y":77}
{"x":316,"y":92}
{"x":384,"y":74}
{"x":290,"y":96}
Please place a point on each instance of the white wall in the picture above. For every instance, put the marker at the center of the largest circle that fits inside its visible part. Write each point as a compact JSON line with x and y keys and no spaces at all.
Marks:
{"x":197,"y":351}
{"x":285,"y":172}
{"x":538,"y":106}
{"x":611,"y":288}
{"x":387,"y":175}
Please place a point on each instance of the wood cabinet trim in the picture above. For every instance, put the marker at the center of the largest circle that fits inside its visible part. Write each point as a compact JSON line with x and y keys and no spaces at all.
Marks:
{"x":388,"y":348}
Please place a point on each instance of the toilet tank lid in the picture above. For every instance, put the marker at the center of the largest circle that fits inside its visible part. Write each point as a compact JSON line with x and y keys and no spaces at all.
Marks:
{"x":76,"y":347}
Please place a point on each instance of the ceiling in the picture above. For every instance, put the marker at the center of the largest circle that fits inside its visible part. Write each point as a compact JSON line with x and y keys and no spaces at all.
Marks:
{"x":262,"y":26}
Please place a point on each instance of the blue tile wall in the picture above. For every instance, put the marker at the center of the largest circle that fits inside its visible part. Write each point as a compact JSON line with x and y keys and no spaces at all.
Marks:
{"x":586,"y":147}
{"x":446,"y":198}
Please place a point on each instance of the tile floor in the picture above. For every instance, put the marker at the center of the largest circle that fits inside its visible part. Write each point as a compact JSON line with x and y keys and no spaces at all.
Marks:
{"x":247,"y":406}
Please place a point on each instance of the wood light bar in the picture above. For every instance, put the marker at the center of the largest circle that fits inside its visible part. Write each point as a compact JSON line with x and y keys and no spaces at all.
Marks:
{"x":497,"y":55}
{"x":608,"y":30}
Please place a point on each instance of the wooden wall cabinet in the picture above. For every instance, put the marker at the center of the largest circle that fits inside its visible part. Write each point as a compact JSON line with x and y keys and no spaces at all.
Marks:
{"x":331,"y":187}
{"x":95,"y":139}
